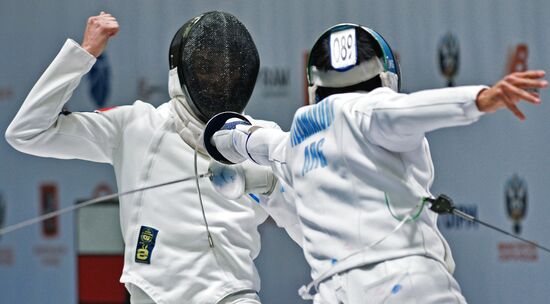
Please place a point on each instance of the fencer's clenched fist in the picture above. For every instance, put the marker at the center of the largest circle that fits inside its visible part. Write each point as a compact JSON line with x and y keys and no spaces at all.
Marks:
{"x":510,"y":90}
{"x":98,"y":31}
{"x":231,"y":140}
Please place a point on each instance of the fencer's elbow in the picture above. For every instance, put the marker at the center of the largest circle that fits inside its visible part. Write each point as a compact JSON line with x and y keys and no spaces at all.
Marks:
{"x":15,"y":137}
{"x":11,"y":136}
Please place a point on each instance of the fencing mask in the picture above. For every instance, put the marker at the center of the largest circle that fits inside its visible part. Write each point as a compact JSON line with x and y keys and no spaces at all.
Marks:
{"x":217,"y":64}
{"x":349,"y":57}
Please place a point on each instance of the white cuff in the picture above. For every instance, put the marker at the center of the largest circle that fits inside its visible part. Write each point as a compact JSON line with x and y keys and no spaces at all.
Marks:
{"x":78,"y":53}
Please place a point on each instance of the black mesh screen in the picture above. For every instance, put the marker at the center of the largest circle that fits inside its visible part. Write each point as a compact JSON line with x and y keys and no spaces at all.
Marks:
{"x":219,"y":64}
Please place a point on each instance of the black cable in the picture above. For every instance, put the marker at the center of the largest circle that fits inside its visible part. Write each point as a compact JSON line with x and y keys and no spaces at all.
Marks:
{"x":444,"y":205}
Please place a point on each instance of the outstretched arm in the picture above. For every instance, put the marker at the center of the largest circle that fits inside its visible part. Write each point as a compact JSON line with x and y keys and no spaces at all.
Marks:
{"x":398,"y":122}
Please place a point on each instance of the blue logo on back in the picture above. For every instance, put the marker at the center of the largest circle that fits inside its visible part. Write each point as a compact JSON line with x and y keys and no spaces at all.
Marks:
{"x":311,"y":120}
{"x":314,"y":157}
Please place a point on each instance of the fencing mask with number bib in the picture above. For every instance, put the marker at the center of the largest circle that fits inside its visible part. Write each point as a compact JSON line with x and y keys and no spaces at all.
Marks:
{"x":347,"y":58}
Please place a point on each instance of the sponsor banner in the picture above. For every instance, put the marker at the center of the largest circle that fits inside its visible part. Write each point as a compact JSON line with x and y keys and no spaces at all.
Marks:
{"x":457,"y":223}
{"x":274,"y":81}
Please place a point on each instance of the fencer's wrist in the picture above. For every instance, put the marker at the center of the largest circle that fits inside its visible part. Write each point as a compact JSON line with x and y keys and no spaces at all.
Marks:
{"x":480,"y":100}
{"x":226,"y":142}
{"x":231,"y":140}
{"x":76,"y":51}
{"x":240,"y":138}
{"x":244,"y":147}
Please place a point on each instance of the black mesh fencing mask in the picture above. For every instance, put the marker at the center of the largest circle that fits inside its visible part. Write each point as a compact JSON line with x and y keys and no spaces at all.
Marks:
{"x":217,"y":63}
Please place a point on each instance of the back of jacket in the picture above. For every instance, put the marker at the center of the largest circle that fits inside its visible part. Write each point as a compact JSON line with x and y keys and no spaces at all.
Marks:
{"x":359,"y":163}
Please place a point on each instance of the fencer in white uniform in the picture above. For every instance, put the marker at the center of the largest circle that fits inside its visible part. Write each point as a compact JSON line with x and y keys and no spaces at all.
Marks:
{"x":360,"y":165}
{"x":173,"y":252}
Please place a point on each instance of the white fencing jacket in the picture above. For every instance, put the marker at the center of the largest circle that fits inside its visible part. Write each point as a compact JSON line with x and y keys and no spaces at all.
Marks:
{"x":167,"y":253}
{"x":354,"y":159}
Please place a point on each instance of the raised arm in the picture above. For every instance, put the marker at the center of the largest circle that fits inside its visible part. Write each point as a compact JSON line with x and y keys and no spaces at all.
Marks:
{"x":40,"y":129}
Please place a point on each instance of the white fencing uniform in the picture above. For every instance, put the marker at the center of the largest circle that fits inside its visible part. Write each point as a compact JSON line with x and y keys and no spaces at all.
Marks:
{"x":354,"y":159}
{"x":167,"y":254}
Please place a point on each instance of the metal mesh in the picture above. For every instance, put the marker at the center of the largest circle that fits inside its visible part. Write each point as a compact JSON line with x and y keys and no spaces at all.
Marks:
{"x":219,"y":64}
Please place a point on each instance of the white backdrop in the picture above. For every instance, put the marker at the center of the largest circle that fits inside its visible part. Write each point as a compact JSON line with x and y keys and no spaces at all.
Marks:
{"x":472,"y":163}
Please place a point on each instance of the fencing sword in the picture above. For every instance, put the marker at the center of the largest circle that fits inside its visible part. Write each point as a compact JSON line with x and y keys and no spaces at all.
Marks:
{"x":96,"y":200}
{"x":444,"y":205}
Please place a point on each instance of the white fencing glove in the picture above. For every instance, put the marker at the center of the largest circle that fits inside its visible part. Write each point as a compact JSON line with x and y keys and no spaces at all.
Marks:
{"x":230,"y":141}
{"x":226,"y":135}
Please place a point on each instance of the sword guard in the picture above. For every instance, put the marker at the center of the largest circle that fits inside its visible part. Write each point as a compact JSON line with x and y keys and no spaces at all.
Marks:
{"x":215,"y":124}
{"x":442,"y":204}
